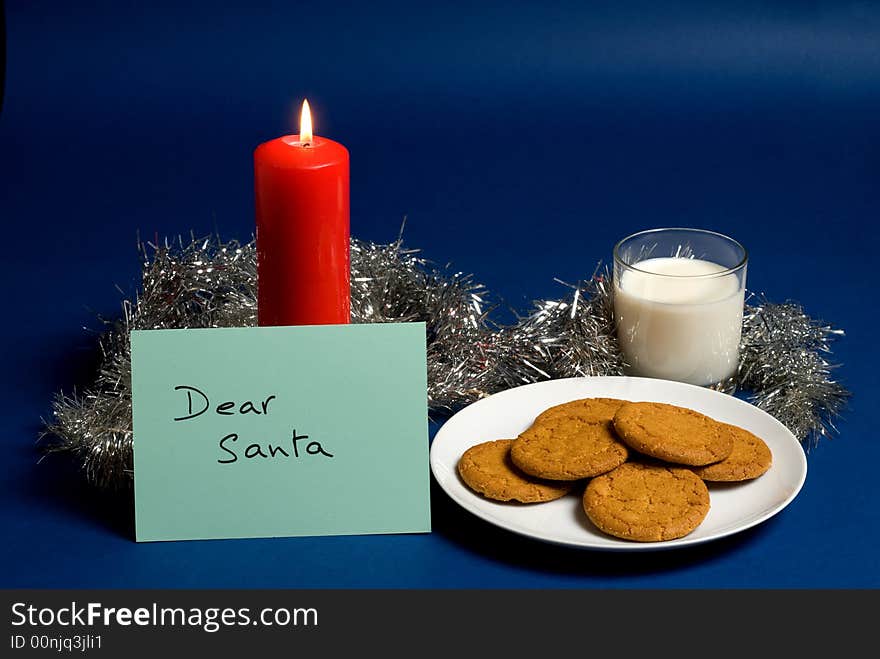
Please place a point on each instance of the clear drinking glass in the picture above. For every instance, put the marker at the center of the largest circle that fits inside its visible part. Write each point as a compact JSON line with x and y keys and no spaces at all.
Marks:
{"x":678,"y":304}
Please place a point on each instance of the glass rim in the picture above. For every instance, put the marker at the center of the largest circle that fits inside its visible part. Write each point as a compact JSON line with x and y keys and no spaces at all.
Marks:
{"x":727,"y":271}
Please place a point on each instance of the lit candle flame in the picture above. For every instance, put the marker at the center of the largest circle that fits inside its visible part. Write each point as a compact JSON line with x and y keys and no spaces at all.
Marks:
{"x":305,"y":125}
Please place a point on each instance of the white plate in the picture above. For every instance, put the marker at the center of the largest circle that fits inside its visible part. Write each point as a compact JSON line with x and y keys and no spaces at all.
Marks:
{"x":734,"y":506}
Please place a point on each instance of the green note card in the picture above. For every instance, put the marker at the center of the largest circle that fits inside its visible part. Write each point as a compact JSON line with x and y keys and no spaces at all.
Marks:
{"x":280,"y":431}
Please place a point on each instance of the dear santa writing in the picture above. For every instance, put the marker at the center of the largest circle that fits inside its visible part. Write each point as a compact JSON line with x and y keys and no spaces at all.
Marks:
{"x":296,"y":446}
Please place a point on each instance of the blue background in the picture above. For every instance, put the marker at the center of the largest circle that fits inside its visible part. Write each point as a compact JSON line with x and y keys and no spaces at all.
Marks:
{"x":521,"y":141}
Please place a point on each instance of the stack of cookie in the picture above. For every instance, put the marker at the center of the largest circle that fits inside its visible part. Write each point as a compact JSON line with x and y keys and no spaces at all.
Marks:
{"x":645,"y":464}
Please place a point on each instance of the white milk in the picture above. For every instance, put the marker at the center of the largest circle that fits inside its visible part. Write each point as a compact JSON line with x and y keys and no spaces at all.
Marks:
{"x":677,"y":327}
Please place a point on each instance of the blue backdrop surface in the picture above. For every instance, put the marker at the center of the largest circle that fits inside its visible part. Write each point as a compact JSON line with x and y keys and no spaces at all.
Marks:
{"x":520,"y":141}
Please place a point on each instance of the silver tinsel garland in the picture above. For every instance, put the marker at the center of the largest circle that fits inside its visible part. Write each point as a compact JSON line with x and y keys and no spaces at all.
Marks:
{"x":210,"y":283}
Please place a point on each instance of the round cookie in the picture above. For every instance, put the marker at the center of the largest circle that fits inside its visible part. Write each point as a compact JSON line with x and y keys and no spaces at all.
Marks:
{"x":750,"y":458}
{"x":486,"y":468}
{"x":673,"y":433}
{"x":647,"y":502}
{"x":565,"y":448}
{"x":586,"y":409}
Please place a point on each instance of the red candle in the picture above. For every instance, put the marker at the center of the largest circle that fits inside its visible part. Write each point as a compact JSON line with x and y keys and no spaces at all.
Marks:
{"x":302,"y":201}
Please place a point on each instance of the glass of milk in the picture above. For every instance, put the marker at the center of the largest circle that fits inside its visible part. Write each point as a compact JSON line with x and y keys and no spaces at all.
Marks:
{"x":678,"y":304}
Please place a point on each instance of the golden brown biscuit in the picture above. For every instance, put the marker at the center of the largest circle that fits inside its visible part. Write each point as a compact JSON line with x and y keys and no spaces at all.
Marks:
{"x":586,"y":409}
{"x":486,"y":468}
{"x":673,"y":433}
{"x":646,"y":502}
{"x":750,"y":458}
{"x":566,"y":448}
